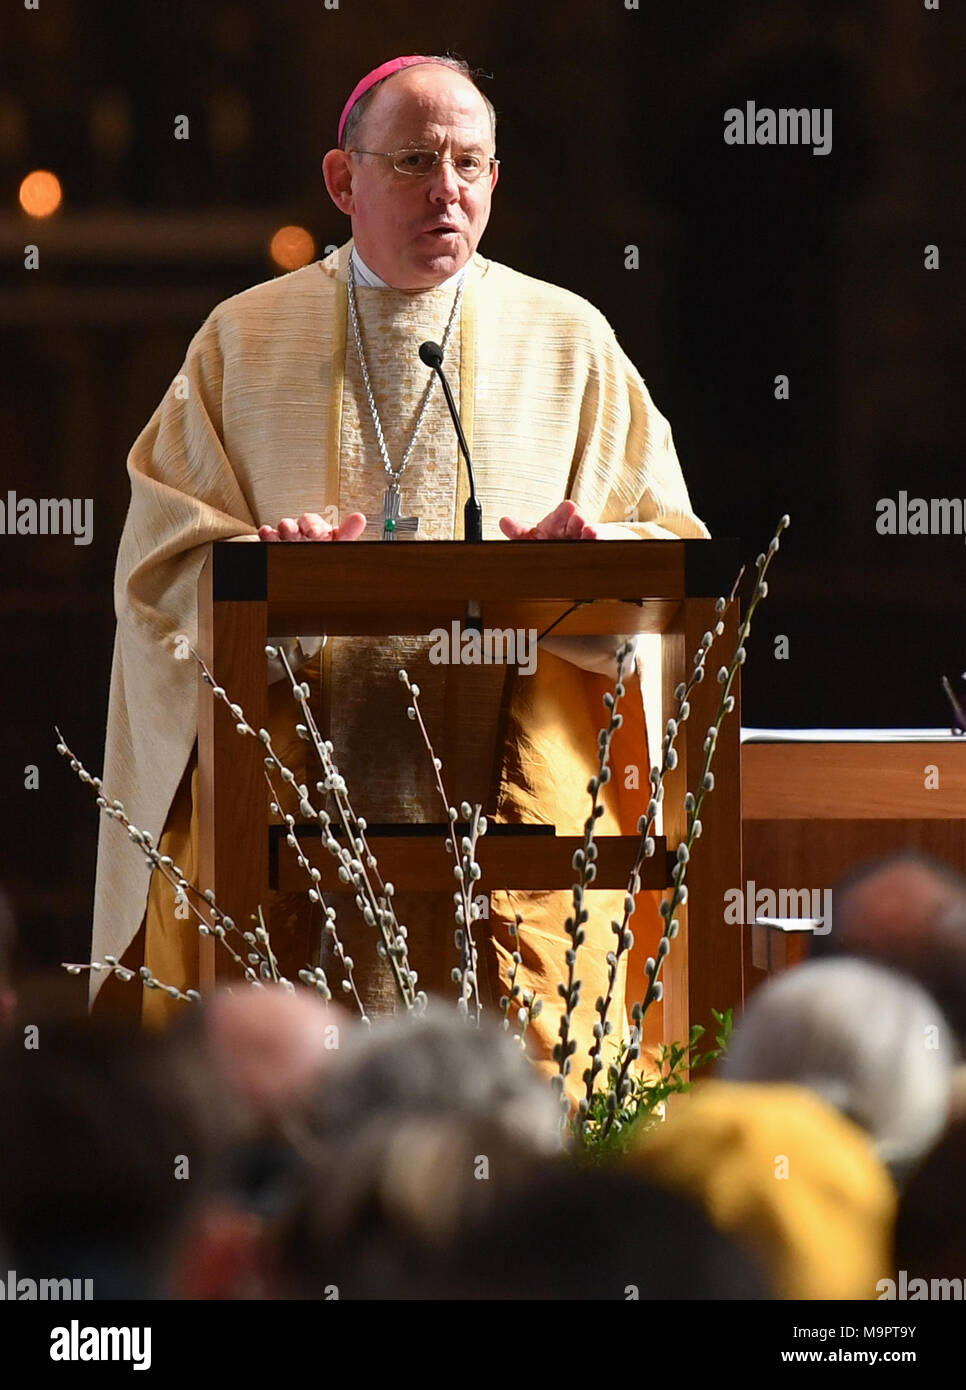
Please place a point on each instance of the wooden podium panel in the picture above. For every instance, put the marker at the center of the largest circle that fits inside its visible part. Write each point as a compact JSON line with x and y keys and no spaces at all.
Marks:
{"x":634,"y":586}
{"x":410,"y":862}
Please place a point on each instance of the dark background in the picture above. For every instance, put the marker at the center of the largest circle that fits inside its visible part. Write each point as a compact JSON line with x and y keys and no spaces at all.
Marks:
{"x":754,"y":261}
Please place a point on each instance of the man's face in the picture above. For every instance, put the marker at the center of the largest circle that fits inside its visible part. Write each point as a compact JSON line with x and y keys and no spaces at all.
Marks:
{"x":414,"y":232}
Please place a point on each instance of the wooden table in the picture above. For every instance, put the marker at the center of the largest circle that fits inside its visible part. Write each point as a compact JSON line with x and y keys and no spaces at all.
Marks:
{"x":813,"y":809}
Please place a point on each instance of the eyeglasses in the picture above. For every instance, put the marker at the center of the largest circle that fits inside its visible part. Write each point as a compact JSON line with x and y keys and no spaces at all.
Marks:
{"x":418,"y":163}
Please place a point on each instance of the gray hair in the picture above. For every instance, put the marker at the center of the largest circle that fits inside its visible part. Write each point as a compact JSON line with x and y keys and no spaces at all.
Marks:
{"x":867,"y":1040}
{"x":434,"y":1068}
{"x":356,"y":115}
{"x":392,"y":1141}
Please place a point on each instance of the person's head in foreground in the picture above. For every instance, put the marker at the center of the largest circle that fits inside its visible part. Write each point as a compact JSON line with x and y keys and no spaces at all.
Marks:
{"x":110,"y":1167}
{"x":908,"y":912}
{"x":415,"y":169}
{"x":419,"y":1126}
{"x":866,"y":1039}
{"x":433,"y":1066}
{"x":595,"y":1233}
{"x":930,"y":1236}
{"x":269,"y":1045}
{"x":266,"y":1049}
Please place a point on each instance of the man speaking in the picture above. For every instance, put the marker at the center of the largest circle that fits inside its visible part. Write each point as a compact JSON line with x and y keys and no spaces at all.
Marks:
{"x":303,"y":412}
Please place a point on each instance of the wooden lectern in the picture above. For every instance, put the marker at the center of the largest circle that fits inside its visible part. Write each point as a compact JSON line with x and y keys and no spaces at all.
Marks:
{"x":248,"y":591}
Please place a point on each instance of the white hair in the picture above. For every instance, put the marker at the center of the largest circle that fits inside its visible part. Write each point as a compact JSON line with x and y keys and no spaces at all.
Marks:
{"x":871,"y":1042}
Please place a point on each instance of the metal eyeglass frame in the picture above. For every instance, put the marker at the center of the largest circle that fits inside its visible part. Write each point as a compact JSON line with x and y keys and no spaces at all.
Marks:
{"x":422,"y":174}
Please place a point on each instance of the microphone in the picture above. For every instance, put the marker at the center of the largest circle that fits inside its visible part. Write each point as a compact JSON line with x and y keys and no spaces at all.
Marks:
{"x":432,"y":354}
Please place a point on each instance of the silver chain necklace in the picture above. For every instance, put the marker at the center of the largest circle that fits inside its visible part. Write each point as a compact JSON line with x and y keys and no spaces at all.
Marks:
{"x":392,"y":521}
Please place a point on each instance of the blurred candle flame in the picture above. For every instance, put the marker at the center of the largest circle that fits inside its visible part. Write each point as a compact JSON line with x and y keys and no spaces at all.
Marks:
{"x":40,"y":193}
{"x":292,"y":247}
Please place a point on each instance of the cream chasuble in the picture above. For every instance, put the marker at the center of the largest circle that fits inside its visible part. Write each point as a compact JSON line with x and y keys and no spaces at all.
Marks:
{"x":268,"y":418}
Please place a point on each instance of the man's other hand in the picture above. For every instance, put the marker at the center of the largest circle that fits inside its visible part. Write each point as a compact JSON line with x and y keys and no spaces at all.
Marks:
{"x":564,"y":523}
{"x":311,"y":527}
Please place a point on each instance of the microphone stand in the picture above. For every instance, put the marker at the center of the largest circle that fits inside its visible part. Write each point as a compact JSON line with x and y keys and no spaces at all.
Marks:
{"x":432,"y":354}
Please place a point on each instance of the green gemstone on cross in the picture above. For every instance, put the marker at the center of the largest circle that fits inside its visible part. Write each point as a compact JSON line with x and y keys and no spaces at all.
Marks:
{"x":391,"y":524}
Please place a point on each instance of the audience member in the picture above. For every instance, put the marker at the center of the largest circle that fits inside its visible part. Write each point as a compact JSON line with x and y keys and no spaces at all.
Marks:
{"x":779,"y":1170}
{"x":908,"y":912}
{"x":110,"y":1166}
{"x":270,"y":1146}
{"x":436,"y":1066}
{"x":424,"y":1125}
{"x":597,"y":1233}
{"x":930,"y":1236}
{"x":384,"y":1205}
{"x":866,"y":1039}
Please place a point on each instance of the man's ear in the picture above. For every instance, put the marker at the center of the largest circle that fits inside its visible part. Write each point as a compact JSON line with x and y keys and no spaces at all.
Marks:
{"x":337,"y":172}
{"x":494,"y":176}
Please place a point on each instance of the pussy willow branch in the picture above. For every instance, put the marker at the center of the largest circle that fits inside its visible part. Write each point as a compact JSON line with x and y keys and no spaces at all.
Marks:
{"x":123,"y":972}
{"x":220,"y":924}
{"x":531,"y":1004}
{"x":315,"y":896}
{"x":375,"y":903}
{"x":584,"y":862}
{"x":618,"y":1084}
{"x":466,"y":870}
{"x":645,"y":850}
{"x":351,"y":869}
{"x":261,"y":934}
{"x":693,"y":804}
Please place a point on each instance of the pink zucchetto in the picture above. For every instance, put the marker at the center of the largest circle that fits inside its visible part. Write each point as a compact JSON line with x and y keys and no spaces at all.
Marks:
{"x":377,"y":75}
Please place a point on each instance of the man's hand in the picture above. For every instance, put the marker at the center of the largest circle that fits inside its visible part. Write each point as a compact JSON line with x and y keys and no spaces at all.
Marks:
{"x":311,"y":527}
{"x":564,"y":523}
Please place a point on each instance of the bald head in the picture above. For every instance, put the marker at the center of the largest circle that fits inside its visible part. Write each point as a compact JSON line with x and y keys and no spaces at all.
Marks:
{"x":908,"y":912}
{"x":432,"y":68}
{"x":895,"y":901}
{"x":269,"y":1044}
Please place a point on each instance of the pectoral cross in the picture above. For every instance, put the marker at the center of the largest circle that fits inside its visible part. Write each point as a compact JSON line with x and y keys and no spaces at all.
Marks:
{"x":392,"y":522}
